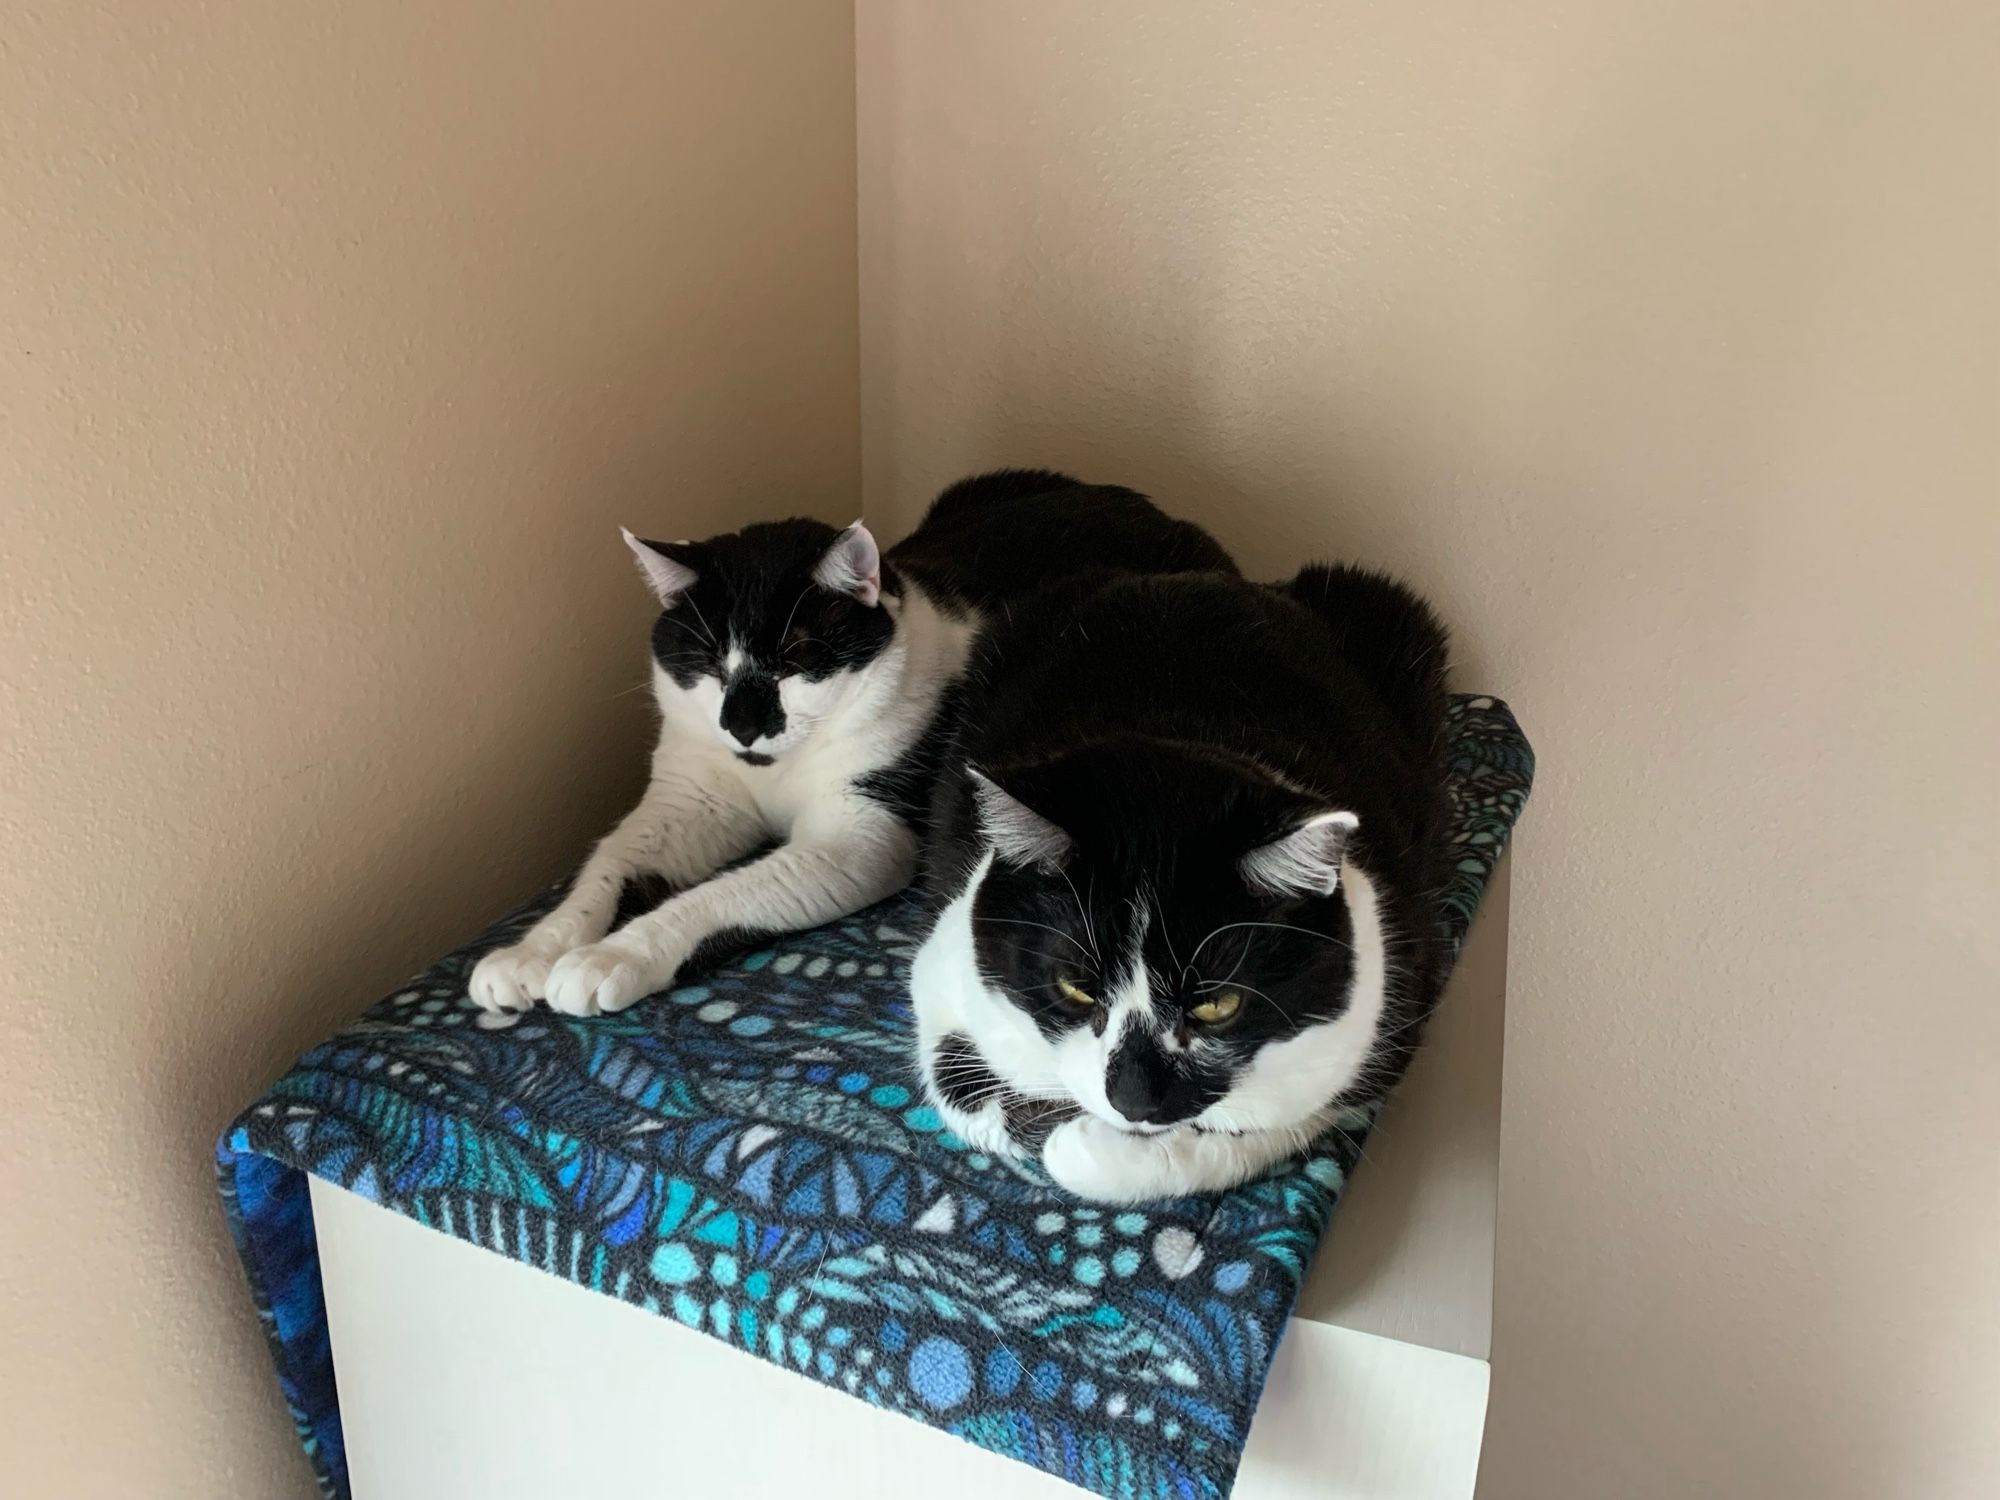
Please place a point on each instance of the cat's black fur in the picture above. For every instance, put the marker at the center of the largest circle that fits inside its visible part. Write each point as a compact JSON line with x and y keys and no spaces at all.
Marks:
{"x":1169,"y":725}
{"x":993,"y":541}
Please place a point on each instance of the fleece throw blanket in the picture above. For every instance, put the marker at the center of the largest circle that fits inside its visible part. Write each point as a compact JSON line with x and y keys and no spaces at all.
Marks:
{"x":749,"y":1156}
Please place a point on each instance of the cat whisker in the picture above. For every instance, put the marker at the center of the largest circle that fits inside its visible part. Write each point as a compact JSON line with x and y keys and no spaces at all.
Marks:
{"x":1089,"y":929}
{"x":979,"y":1081}
{"x":1247,"y":989}
{"x":1276,"y":927}
{"x":1058,"y":960}
{"x":1241,"y":959}
{"x":1023,"y":922}
{"x":1239,"y":966}
{"x":794,"y":611}
{"x":1409,"y":1024}
{"x":1174,"y":958}
{"x":707,"y":633}
{"x":1290,"y":1019}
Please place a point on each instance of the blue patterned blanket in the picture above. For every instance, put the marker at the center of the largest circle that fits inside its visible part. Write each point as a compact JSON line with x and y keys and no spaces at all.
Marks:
{"x":749,"y":1156}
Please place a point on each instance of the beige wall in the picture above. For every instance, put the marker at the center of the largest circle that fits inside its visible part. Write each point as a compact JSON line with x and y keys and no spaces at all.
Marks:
{"x":334,"y":343}
{"x":1659,"y":343}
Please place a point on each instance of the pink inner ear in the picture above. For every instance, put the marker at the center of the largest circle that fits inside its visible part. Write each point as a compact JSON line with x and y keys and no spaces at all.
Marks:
{"x":852,"y":566}
{"x":666,"y":578}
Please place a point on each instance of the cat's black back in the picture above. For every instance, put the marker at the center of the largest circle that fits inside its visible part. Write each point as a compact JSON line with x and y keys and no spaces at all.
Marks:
{"x":990,"y":546}
{"x":992,"y":541}
{"x":1335,"y":680}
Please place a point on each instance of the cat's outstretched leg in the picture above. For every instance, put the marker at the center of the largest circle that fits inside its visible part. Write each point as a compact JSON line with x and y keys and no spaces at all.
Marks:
{"x":839,"y":858}
{"x":686,"y":827}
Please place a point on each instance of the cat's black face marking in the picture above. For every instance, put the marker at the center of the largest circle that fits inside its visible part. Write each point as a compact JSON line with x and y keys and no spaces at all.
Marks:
{"x":1150,"y":926}
{"x":754,"y":593}
{"x":756,"y":617}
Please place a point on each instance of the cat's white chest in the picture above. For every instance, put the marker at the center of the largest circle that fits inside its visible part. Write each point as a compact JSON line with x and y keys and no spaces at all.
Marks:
{"x":812,"y":777}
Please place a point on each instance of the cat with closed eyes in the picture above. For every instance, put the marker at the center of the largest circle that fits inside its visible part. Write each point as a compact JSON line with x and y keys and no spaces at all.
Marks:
{"x":805,"y":684}
{"x":1184,"y":861}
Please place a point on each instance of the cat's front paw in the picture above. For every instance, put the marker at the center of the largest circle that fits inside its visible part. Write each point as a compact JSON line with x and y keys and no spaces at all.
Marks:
{"x":983,"y":1129}
{"x":1103,"y":1163}
{"x":604,"y":977}
{"x":515,"y":977}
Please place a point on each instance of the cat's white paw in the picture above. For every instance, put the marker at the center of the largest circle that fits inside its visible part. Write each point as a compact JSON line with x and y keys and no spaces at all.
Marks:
{"x":1103,"y":1163}
{"x":600,"y":978}
{"x":514,"y":978}
{"x":983,"y":1130}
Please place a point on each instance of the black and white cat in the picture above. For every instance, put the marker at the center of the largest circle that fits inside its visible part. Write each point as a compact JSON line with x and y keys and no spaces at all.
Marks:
{"x":804,"y":683}
{"x":1185,"y":876}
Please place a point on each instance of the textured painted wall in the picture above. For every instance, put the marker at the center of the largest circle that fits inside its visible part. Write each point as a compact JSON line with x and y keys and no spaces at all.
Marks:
{"x":334,"y":343}
{"x":1659,"y":343}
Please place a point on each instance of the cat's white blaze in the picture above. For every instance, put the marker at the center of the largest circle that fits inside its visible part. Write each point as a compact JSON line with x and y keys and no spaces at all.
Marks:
{"x":1083,"y":1059}
{"x":1078,"y":1060}
{"x":705,"y":808}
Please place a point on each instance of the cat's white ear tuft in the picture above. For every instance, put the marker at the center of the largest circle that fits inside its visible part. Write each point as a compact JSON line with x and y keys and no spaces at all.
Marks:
{"x":852,"y":566}
{"x":667,"y":578}
{"x":1020,"y":835}
{"x":1306,"y":861}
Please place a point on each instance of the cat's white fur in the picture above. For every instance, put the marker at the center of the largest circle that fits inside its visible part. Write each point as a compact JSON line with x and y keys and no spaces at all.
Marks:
{"x":838,"y":850}
{"x":1275,"y":1107}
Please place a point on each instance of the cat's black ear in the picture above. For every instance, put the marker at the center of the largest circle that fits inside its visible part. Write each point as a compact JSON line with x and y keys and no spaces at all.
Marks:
{"x":852,"y":566}
{"x":1306,"y":861}
{"x":1020,"y":835}
{"x":665,"y":573}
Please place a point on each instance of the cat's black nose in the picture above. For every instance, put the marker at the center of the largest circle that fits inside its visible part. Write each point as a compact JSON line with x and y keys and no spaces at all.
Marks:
{"x":751,"y":708}
{"x":1137,"y":1088}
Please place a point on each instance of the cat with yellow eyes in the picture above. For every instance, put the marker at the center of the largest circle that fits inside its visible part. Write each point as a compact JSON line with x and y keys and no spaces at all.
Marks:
{"x":1183,"y":861}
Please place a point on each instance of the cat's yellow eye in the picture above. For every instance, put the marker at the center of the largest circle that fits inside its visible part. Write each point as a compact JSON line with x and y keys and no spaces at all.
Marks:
{"x":1074,"y":994}
{"x":1215,"y":1012}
